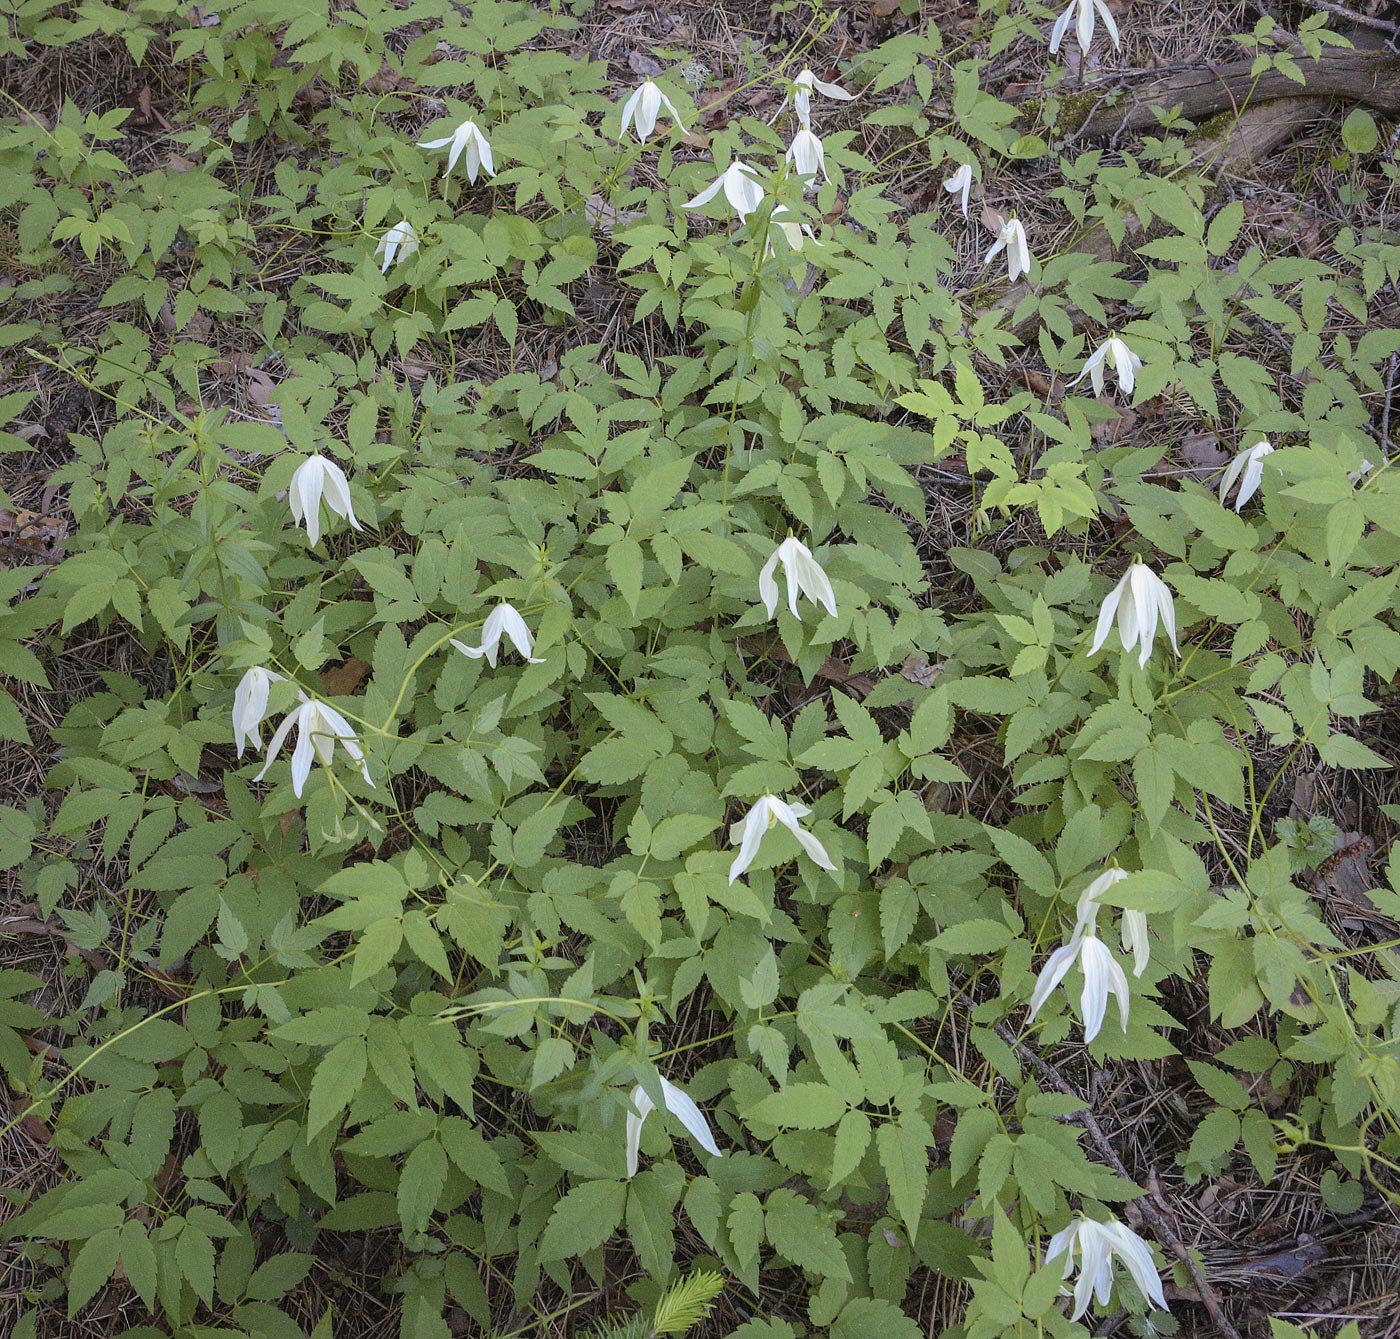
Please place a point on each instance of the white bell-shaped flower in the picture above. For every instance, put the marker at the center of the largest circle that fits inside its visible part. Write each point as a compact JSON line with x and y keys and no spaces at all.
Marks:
{"x":1081,"y":14}
{"x":801,"y":92}
{"x":1114,"y":353}
{"x":1102,"y":975}
{"x":681,"y":1105}
{"x":1135,"y":940}
{"x":397,"y":245}
{"x":741,"y":187}
{"x":796,"y":235}
{"x":1139,"y":601}
{"x":1011,"y":238}
{"x":468,"y":143}
{"x":642,"y":109}
{"x":319,"y":480}
{"x":502,"y":621}
{"x":1247,"y":468}
{"x":1097,"y":1245}
{"x":250,"y":705}
{"x":319,"y":728}
{"x":766,"y":813}
{"x":960,"y":184}
{"x":807,"y":157}
{"x":802,"y":573}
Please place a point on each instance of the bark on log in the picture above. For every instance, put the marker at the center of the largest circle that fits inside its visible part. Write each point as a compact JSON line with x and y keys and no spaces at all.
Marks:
{"x":1368,"y":77}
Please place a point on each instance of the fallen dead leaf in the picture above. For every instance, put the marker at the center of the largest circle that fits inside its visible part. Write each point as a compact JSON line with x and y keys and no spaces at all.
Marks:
{"x":231,"y":364}
{"x":918,"y":670}
{"x":646,"y":66}
{"x":1114,"y":429}
{"x":32,"y":536}
{"x":1202,"y":454}
{"x":260,"y":387}
{"x":342,"y":680}
{"x":1346,"y":873}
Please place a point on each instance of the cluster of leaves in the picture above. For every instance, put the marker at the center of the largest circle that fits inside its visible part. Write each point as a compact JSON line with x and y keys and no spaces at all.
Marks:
{"x":420,"y":1006}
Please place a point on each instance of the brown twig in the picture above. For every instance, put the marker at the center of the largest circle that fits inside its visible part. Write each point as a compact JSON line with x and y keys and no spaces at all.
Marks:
{"x":1365,"y":20}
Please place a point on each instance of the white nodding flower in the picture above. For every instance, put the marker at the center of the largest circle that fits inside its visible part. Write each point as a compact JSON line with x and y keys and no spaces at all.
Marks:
{"x":796,"y":235}
{"x":502,"y":621}
{"x":642,"y":109}
{"x":319,"y":729}
{"x":1115,"y":354}
{"x":1011,"y":238}
{"x":960,"y":183}
{"x":1081,"y":14}
{"x":317,"y":480}
{"x":1102,"y":975}
{"x":766,"y":813}
{"x":1247,"y":468}
{"x":250,"y":706}
{"x":1140,"y":601}
{"x":741,"y":188}
{"x":1134,"y":924}
{"x":807,"y":157}
{"x":466,"y":142}
{"x":1359,"y":474}
{"x":1097,"y":1244}
{"x":802,"y":573}
{"x":681,"y":1105}
{"x":397,"y":245}
{"x":801,"y":92}
{"x":1135,"y":940}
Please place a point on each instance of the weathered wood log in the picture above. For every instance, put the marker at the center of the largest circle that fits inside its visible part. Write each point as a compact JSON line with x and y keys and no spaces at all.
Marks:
{"x":1370,"y":77}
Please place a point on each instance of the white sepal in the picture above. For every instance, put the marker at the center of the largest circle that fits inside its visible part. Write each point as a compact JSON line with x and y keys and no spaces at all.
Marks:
{"x":316,"y":480}
{"x":502,"y":621}
{"x":960,"y":184}
{"x":319,"y":728}
{"x":681,"y":1105}
{"x":741,"y":187}
{"x":803,"y":575}
{"x":250,"y":705}
{"x":767,"y":812}
{"x":466,"y":139}
{"x":397,"y":245}
{"x":1139,"y":602}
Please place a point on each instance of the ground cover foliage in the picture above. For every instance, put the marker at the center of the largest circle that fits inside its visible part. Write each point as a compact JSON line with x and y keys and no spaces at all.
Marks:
{"x":346,"y":1042}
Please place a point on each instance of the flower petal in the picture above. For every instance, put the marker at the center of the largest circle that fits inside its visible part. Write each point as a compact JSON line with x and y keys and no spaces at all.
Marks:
{"x":755,"y":824}
{"x":681,"y":1105}
{"x":644,"y":1107}
{"x":1055,"y":970}
{"x":815,"y":583}
{"x":1106,"y":612}
{"x":303,"y":754}
{"x":1107,"y":15}
{"x":629,"y":109}
{"x":767,"y":586}
{"x":1136,"y":1254}
{"x":1093,"y":1001}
